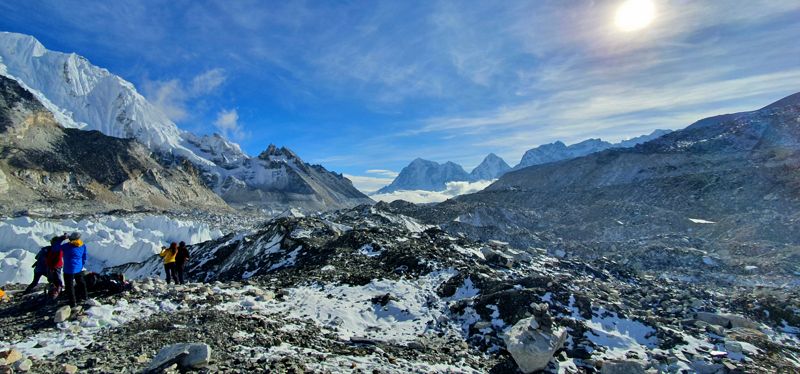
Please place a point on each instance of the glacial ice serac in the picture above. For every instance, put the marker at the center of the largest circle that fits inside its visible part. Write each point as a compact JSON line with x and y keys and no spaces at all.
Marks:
{"x":110,"y":240}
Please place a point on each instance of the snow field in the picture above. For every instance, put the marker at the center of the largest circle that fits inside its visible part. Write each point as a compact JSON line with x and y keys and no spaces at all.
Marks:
{"x":414,"y":310}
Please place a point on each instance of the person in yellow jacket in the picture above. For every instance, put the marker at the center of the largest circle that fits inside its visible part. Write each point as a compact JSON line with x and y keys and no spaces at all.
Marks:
{"x":168,"y":254}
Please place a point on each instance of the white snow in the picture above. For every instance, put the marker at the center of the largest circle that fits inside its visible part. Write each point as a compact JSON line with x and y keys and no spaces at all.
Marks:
{"x":289,"y":260}
{"x":369,"y":251}
{"x":465,"y":291}
{"x":109,"y":240}
{"x":409,"y":223}
{"x":349,"y":312}
{"x":701,"y":221}
{"x":469,"y":251}
{"x":620,"y":335}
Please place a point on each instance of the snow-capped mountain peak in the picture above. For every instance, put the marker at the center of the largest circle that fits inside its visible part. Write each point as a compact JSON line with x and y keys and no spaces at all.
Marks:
{"x":282,"y":154}
{"x":215,"y":148}
{"x":81,"y":95}
{"x":91,"y":97}
{"x":427,"y":175}
{"x":490,"y":168}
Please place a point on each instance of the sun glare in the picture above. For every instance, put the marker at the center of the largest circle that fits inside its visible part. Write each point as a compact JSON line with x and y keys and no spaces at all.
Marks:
{"x":634,"y":15}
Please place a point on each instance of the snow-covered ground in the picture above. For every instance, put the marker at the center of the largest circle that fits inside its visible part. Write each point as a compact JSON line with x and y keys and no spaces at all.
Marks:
{"x":412,"y":310}
{"x":110,"y":240}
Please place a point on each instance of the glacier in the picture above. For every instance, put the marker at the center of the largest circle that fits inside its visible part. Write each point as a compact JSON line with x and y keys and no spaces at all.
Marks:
{"x":111,"y":240}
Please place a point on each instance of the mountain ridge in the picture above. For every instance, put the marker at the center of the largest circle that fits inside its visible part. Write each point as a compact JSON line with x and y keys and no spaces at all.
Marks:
{"x":88,"y":97}
{"x":44,"y":165}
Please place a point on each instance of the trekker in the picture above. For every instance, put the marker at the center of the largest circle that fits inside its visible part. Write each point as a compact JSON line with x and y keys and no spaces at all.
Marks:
{"x":169,"y":261}
{"x":74,"y":253}
{"x":39,"y":269}
{"x":180,"y":261}
{"x":55,"y":262}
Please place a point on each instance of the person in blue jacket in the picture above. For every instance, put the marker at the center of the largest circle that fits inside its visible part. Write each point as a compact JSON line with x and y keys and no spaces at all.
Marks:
{"x":74,"y":261}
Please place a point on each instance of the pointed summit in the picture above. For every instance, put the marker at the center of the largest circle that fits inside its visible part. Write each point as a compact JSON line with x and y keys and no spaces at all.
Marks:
{"x":492,"y":167}
{"x":274,"y":153}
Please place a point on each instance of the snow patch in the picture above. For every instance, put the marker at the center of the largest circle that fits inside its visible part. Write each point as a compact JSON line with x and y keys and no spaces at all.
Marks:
{"x":701,"y":221}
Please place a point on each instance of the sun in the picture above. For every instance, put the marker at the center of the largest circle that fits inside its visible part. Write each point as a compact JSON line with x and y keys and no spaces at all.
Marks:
{"x":635,"y":15}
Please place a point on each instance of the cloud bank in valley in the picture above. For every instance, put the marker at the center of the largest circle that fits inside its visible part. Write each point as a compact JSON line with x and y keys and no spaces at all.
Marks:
{"x":420,"y":196}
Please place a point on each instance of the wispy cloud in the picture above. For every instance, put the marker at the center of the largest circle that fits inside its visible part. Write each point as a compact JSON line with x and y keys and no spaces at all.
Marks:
{"x":173,"y":96}
{"x":383,"y":172}
{"x":227,"y":123}
{"x":372,"y":85}
{"x":368,"y":184}
{"x":420,"y":196}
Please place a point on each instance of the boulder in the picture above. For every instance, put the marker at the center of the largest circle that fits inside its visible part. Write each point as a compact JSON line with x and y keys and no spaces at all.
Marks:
{"x":62,"y":314}
{"x":705,"y":367}
{"x":69,"y":369}
{"x":622,"y":367}
{"x":533,"y":348}
{"x":726,"y":320}
{"x":11,"y":356}
{"x":185,"y":355}
{"x":23,"y":365}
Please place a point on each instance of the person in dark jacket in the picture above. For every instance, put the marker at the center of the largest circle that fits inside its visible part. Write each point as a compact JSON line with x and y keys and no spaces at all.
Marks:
{"x":180,"y":261}
{"x":55,"y":263}
{"x":74,"y":253}
{"x":39,"y":269}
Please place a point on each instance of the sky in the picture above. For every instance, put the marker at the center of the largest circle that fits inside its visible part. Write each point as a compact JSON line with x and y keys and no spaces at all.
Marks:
{"x":364,"y":87}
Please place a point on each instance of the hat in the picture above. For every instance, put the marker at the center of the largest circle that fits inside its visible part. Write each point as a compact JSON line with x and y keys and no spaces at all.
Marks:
{"x":75,"y":236}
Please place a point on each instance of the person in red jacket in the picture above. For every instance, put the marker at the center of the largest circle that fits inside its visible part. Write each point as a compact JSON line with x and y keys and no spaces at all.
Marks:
{"x":55,"y":262}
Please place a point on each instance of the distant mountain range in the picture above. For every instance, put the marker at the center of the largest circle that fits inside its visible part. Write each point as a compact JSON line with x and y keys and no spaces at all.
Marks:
{"x":83,"y":96}
{"x":558,"y":151}
{"x":726,"y":186}
{"x":428,"y":175}
{"x":432,"y":176}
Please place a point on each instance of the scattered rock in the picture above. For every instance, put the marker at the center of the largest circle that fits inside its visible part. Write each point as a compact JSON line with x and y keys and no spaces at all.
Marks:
{"x":622,"y":367}
{"x":23,"y":365}
{"x":62,"y":314}
{"x":726,"y":320}
{"x":11,"y":356}
{"x":531,"y":347}
{"x":185,"y":355}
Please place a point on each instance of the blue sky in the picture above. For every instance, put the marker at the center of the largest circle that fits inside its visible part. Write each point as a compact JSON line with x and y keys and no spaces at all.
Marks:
{"x":364,"y":87}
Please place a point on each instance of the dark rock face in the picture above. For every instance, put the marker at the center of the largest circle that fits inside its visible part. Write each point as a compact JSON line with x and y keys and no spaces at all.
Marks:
{"x":45,"y":164}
